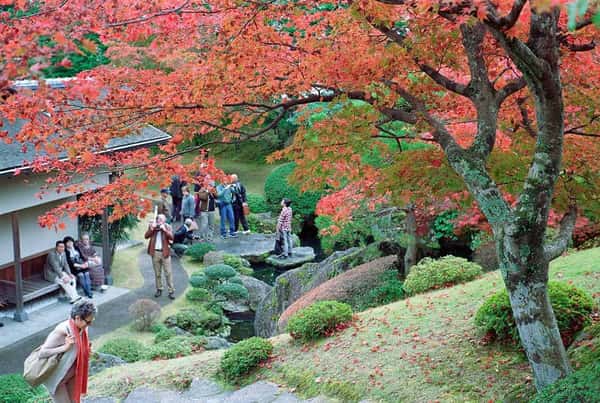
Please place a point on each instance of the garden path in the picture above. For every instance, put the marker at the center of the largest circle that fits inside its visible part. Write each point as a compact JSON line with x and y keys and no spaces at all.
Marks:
{"x":111,"y":315}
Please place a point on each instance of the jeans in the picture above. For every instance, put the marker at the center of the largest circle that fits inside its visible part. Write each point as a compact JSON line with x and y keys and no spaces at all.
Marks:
{"x":226,"y":212}
{"x":288,"y":244}
{"x":86,"y":282}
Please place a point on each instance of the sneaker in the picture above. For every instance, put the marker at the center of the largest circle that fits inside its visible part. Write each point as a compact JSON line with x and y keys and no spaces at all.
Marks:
{"x":233,"y":235}
{"x":223,"y":236}
{"x":158,"y":293}
{"x":171,"y":295}
{"x":247,"y":232}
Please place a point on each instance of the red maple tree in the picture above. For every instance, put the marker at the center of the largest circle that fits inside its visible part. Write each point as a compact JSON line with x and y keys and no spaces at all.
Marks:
{"x":474,"y":77}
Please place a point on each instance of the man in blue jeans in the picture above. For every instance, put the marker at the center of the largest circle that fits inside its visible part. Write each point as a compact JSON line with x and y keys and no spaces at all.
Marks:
{"x":224,"y":199}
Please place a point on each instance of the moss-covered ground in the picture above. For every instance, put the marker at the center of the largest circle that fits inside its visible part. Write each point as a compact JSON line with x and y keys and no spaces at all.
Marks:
{"x":425,"y":348}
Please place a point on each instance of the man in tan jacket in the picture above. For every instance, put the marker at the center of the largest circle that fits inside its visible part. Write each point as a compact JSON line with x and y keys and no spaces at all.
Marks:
{"x":160,"y":235}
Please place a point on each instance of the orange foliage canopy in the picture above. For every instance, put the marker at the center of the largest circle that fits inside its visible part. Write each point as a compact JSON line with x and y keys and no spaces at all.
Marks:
{"x":226,"y":65}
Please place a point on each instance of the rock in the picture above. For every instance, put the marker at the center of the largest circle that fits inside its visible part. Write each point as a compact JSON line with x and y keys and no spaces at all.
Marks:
{"x":235,"y":306}
{"x":99,"y":400}
{"x":216,"y":343}
{"x":257,"y":290}
{"x":202,"y":388}
{"x":180,"y":332}
{"x":253,"y":247}
{"x":213,"y":257}
{"x":102,"y":361}
{"x":259,"y":392}
{"x":300,"y":255}
{"x":145,"y":394}
{"x":292,"y":284}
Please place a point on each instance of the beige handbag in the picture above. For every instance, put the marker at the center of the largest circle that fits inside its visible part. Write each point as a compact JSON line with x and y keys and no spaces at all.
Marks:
{"x":36,"y":370}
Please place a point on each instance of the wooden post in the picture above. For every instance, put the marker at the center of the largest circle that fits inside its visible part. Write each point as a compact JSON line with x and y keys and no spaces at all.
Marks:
{"x":106,"y":255}
{"x":20,"y":314}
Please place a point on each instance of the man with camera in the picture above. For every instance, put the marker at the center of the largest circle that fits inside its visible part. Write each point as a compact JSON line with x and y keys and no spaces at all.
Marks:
{"x":160,"y":235}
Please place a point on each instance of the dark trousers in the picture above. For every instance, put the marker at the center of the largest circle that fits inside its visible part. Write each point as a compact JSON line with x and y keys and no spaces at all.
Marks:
{"x":86,"y":282}
{"x":239,"y":217}
{"x":176,"y":208}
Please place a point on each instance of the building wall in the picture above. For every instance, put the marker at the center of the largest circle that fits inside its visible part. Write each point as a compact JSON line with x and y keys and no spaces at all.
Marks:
{"x":21,"y":191}
{"x":34,"y":239}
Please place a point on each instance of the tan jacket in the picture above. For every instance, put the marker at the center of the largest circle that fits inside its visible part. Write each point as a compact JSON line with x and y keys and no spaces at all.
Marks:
{"x":167,"y":237}
{"x":164,"y":208}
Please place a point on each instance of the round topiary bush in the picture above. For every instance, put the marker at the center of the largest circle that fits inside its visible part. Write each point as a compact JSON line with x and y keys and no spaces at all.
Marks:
{"x":127,"y":349}
{"x":235,"y":280}
{"x":318,"y":319}
{"x":277,"y":187}
{"x":179,"y":346}
{"x":257,"y":203}
{"x":437,"y":273}
{"x":581,"y":386}
{"x":572,"y":308}
{"x":14,"y":388}
{"x":198,"y":295}
{"x":232,"y":291}
{"x":192,"y":319}
{"x":243,"y":357}
{"x":219,"y":272}
{"x":199,"y":280}
{"x":197,"y":251}
{"x":144,"y":313}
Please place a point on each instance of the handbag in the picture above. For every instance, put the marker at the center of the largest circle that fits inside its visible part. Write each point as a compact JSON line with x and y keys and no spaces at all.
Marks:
{"x":246,"y":209}
{"x":278,"y":249}
{"x":36,"y":370}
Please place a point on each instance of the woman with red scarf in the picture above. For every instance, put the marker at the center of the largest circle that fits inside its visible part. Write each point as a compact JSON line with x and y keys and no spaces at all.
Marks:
{"x":68,"y":381}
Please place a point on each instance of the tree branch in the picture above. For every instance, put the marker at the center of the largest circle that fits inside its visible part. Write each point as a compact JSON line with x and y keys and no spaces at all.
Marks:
{"x":506,"y":21}
{"x":556,"y":248}
{"x":444,"y":81}
{"x":148,"y":17}
{"x":510,"y":88}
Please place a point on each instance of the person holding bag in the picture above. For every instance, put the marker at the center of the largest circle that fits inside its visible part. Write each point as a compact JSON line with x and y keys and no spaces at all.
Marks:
{"x":68,"y":380}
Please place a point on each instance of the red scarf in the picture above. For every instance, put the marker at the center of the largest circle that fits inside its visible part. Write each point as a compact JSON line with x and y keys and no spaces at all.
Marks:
{"x":82,"y":363}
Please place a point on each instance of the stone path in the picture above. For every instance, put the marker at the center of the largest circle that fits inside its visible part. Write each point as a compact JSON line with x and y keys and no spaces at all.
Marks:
{"x":111,"y":315}
{"x":207,"y":391}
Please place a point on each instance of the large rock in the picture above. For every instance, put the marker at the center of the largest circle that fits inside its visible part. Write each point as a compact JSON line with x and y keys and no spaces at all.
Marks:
{"x":300,"y":255}
{"x":292,"y":284}
{"x":101,"y":361}
{"x":253,"y":247}
{"x":235,"y":306}
{"x":213,"y":257}
{"x":257,"y":290}
{"x":216,"y":343}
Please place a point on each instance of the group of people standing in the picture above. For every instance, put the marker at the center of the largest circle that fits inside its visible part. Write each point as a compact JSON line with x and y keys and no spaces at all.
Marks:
{"x":74,"y":261}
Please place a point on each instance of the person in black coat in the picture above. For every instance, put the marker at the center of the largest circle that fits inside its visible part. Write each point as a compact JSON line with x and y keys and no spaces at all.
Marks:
{"x":78,"y":265}
{"x":239,"y":201}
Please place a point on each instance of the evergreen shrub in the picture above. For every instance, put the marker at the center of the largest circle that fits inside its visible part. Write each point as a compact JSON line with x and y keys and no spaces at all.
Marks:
{"x":178,"y":346}
{"x":277,"y":187}
{"x":127,"y":349}
{"x":257,"y":203}
{"x":164,"y":334}
{"x":198,"y":280}
{"x":437,"y":273}
{"x":390,"y":290}
{"x":244,"y":356}
{"x":198,"y":295}
{"x":232,"y":291}
{"x":578,"y":387}
{"x":197,"y":251}
{"x":318,"y":319}
{"x":14,"y":388}
{"x":192,"y":319}
{"x":572,"y":308}
{"x":219,"y":272}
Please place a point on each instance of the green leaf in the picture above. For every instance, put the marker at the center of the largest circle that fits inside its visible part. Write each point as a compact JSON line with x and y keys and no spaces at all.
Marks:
{"x":596,"y":19}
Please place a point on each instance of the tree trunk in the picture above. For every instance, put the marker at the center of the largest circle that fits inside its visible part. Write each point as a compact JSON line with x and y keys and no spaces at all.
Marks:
{"x":410,"y":256}
{"x":528,"y":293}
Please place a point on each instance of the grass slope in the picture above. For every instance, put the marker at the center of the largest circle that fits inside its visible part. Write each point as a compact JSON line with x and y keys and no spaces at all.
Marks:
{"x":425,"y":348}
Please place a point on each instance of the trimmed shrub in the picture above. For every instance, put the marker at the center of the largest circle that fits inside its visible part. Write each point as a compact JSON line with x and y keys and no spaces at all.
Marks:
{"x":198,"y":295}
{"x":164,"y":334}
{"x":278,"y":187}
{"x":199,"y":280}
{"x":257,"y":203}
{"x":431,"y":273}
{"x":144,"y":313}
{"x":235,"y":280}
{"x":219,"y":272}
{"x":261,"y":226}
{"x":234,"y":261}
{"x":572,"y":308}
{"x":192,"y":319}
{"x":127,"y":349}
{"x":179,"y":346}
{"x":580,"y":386}
{"x":14,"y":388}
{"x":319,"y":319}
{"x":243,"y":357}
{"x":587,"y":349}
{"x":197,"y":251}
{"x":232,"y":291}
{"x":157,"y":327}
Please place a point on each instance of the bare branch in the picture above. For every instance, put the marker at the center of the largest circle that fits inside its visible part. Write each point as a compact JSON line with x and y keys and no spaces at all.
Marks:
{"x":506,"y":21}
{"x":148,"y":17}
{"x":556,"y":248}
{"x":525,"y":117}
{"x":444,"y":81}
{"x":510,"y":88}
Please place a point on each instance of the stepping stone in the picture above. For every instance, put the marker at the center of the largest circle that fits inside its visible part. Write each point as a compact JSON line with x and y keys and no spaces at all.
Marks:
{"x":287,"y":398}
{"x":253,"y":247}
{"x":99,"y":400}
{"x":259,"y":392}
{"x":300,"y":255}
{"x":145,"y":394}
{"x":202,"y":388}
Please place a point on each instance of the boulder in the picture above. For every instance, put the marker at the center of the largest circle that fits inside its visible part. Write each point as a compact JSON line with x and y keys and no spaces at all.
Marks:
{"x":300,"y":255}
{"x":292,"y":284}
{"x":216,"y":343}
{"x":257,"y":290}
{"x":213,"y":257}
{"x":235,"y":306}
{"x":253,"y":247}
{"x":101,"y":361}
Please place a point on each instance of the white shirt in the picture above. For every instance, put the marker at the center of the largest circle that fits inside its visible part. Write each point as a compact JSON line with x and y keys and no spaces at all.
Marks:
{"x":158,"y":243}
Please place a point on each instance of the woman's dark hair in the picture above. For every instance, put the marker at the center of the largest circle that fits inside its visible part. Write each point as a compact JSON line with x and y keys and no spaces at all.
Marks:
{"x":84,"y":309}
{"x":287,"y":202}
{"x":67,"y":239}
